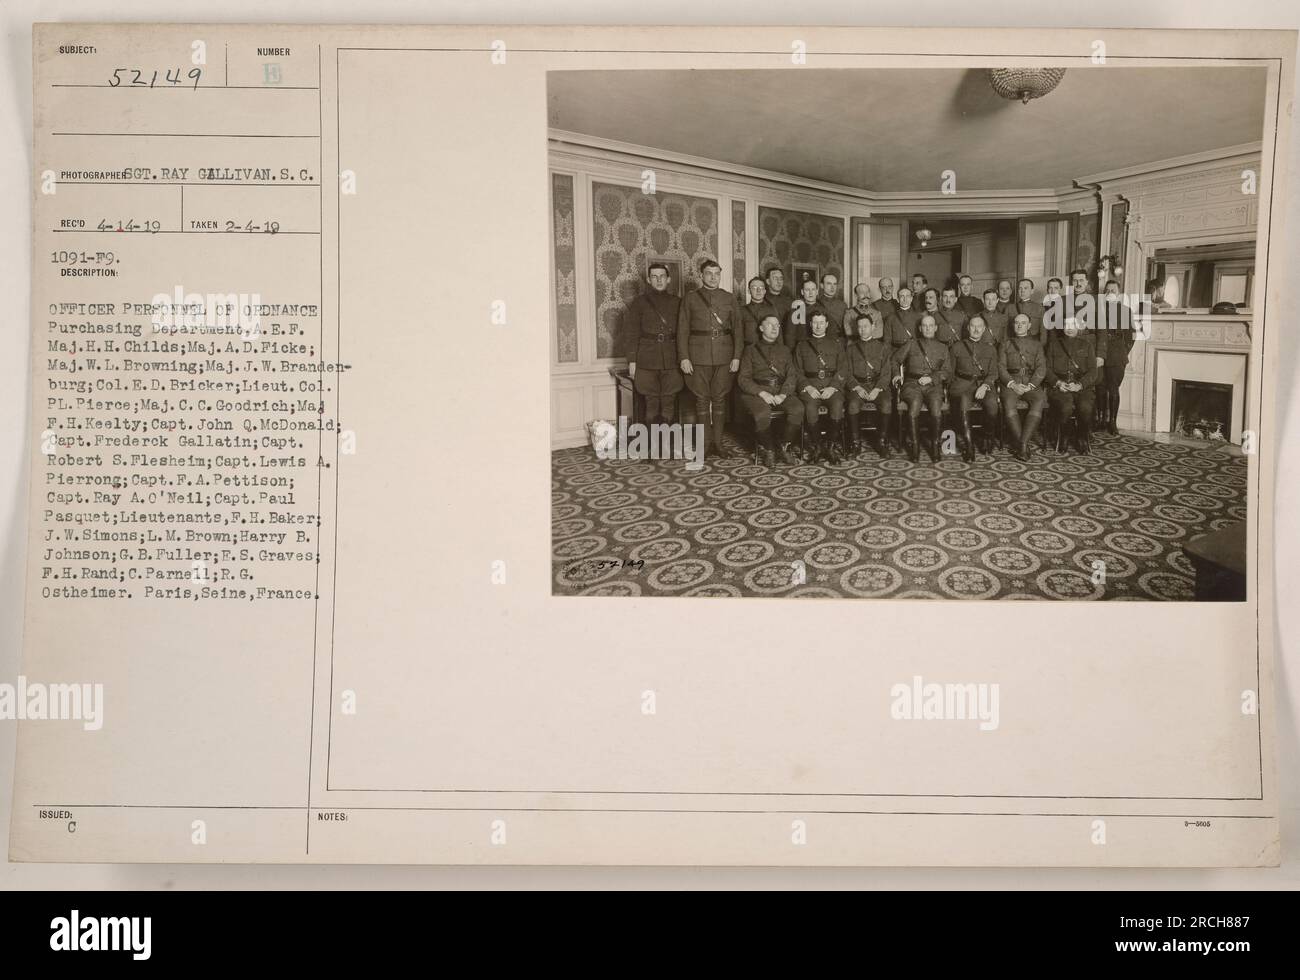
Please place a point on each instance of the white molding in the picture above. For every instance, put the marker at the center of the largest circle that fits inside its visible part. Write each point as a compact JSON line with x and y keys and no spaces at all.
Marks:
{"x":1176,"y":166}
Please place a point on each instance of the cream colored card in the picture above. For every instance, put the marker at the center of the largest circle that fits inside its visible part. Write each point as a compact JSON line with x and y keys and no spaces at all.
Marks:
{"x":323,"y":566}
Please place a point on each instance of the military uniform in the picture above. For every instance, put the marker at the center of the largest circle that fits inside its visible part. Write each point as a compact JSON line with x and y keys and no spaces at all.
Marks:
{"x":999,"y":326}
{"x":1073,"y":359}
{"x":902,"y":328}
{"x":924,"y":358}
{"x":887,"y":307}
{"x":1021,"y":359}
{"x":950,"y":326}
{"x":1115,"y":321}
{"x":770,"y":367}
{"x":781,"y":302}
{"x":1007,"y":306}
{"x":794,"y":327}
{"x":836,"y":310}
{"x":870,"y":365}
{"x":1032,"y":310}
{"x":970,"y":305}
{"x":751,"y":315}
{"x":973,"y":364}
{"x":651,"y":332}
{"x":709,"y":334}
{"x":821,"y":363}
{"x":851,"y":318}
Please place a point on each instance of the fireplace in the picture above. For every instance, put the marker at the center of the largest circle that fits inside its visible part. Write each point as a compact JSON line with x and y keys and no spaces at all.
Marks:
{"x":1201,"y":410}
{"x":1200,"y":392}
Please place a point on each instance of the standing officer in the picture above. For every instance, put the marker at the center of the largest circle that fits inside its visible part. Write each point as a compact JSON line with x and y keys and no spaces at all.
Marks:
{"x":776,"y":294}
{"x":834,"y":305}
{"x":1022,"y":367}
{"x":886,"y":304}
{"x":967,"y":302}
{"x":996,"y":321}
{"x":1005,"y":302}
{"x":862,"y":306}
{"x":1071,"y":374}
{"x":1083,"y":306}
{"x":710,"y":336}
{"x":950,"y":321}
{"x":820,"y":363}
{"x":651,"y":332}
{"x":1026,"y":304}
{"x":795,"y":327}
{"x":1116,"y":324}
{"x":918,"y":290}
{"x":925,"y":368}
{"x":753,"y":312}
{"x":869,"y":372}
{"x":767,"y":379}
{"x":975,"y":379}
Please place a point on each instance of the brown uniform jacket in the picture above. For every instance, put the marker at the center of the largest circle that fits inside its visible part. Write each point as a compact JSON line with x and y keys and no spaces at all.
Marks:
{"x":651,"y":331}
{"x":1071,"y":359}
{"x":925,"y":357}
{"x":949,"y":326}
{"x":836,"y":309}
{"x":999,"y":325}
{"x":708,"y":328}
{"x":975,"y":362}
{"x":1032,"y":310}
{"x":1116,"y":323}
{"x":767,"y":367}
{"x":794,"y":327}
{"x":1021,"y":359}
{"x":851,"y":318}
{"x":820,"y":363}
{"x":870,"y":363}
{"x":886,"y":307}
{"x":751,"y":315}
{"x":970,"y":305}
{"x":901,"y":328}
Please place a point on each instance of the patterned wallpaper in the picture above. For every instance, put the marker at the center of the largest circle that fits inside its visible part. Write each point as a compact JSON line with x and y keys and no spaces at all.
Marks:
{"x":566,"y":301}
{"x":629,"y":226}
{"x":738,"y":251}
{"x":786,"y":237}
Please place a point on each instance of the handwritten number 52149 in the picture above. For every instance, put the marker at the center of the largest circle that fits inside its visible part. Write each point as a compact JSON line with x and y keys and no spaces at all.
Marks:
{"x":172,"y":76}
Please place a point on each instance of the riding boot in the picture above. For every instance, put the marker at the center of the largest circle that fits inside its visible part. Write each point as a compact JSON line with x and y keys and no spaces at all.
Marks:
{"x":1027,"y":438}
{"x":880,"y":443}
{"x":913,"y":447}
{"x":934,"y":437}
{"x":1111,"y":425}
{"x":969,"y":448}
{"x":833,"y":455}
{"x":720,"y":449}
{"x":1012,"y":427}
{"x":1085,"y":436}
{"x":782,"y":454}
{"x":765,"y":448}
{"x":855,"y":434}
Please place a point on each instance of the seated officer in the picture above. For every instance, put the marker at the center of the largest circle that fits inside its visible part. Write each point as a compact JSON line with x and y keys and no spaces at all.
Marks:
{"x":869,"y":372}
{"x":1021,"y":368}
{"x":996,"y":321}
{"x":767,"y":380}
{"x":819,"y":360}
{"x":652,"y":346}
{"x":974,"y":379}
{"x":925,"y":365}
{"x":795,"y":326}
{"x":753,"y":312}
{"x":1071,"y":374}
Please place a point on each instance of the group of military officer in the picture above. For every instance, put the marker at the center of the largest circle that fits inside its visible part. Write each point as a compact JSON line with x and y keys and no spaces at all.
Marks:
{"x":901,"y":353}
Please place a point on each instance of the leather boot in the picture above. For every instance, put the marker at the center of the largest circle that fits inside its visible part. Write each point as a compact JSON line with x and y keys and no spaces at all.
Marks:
{"x":1111,"y":425}
{"x":834,"y":456}
{"x":934,"y":437}
{"x":765,"y":453}
{"x":913,"y":447}
{"x":1011,"y":425}
{"x":881,"y":443}
{"x":969,"y":449}
{"x":1085,"y":436}
{"x":782,"y":454}
{"x":1027,"y":438}
{"x":855,"y":434}
{"x":720,"y":449}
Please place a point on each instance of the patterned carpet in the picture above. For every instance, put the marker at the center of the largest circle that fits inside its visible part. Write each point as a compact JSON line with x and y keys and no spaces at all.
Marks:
{"x":992,"y":529}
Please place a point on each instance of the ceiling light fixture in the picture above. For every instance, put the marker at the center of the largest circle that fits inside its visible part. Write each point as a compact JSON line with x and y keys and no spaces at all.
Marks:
{"x":1024,"y":83}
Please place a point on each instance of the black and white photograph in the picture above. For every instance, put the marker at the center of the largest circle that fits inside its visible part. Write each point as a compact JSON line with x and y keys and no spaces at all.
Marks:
{"x":931,"y":333}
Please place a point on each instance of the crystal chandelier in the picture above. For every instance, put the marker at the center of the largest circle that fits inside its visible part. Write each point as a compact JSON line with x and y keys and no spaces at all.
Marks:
{"x":1025,"y":83}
